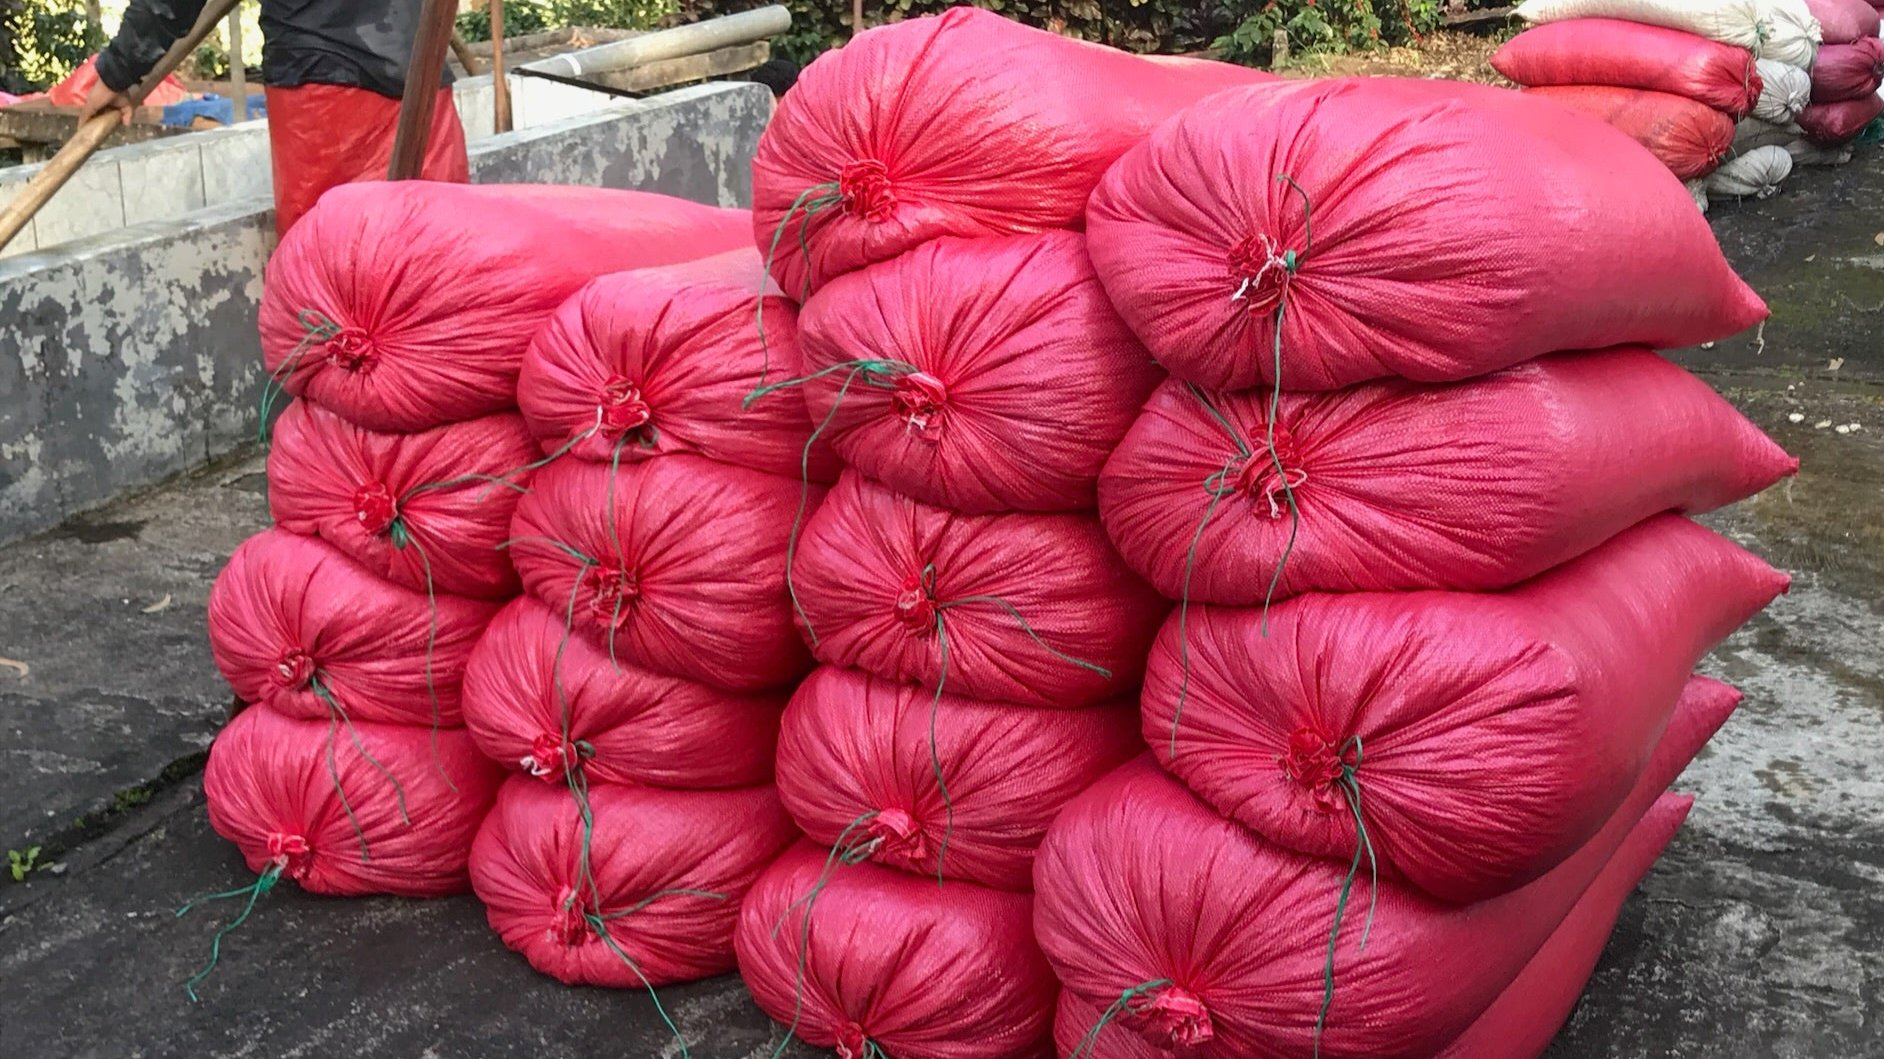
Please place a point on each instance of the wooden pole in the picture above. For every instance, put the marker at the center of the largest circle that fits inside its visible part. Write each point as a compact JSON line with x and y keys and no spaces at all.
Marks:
{"x":463,"y":52}
{"x":500,"y":87}
{"x":91,"y":135}
{"x":238,"y":70}
{"x":856,"y":18}
{"x":421,"y":97}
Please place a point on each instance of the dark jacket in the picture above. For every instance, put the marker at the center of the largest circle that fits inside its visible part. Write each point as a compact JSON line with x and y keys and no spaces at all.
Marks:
{"x":363,"y":43}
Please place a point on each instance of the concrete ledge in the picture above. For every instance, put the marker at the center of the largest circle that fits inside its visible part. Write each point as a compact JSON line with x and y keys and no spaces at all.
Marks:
{"x":131,"y":356}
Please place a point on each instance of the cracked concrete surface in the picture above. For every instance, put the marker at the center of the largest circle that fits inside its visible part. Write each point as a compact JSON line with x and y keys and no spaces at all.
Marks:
{"x":1760,"y":935}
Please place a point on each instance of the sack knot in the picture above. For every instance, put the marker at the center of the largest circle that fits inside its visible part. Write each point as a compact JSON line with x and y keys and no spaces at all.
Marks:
{"x":864,"y":187}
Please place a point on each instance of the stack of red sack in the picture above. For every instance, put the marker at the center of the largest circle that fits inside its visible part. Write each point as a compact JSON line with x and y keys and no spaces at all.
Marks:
{"x":1675,"y":76}
{"x":395,"y":476}
{"x":634,"y":692}
{"x":1413,"y":719}
{"x":1846,"y":77}
{"x":921,"y":189}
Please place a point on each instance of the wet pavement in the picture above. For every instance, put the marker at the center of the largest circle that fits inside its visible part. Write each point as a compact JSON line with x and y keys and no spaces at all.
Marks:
{"x":1760,"y":935}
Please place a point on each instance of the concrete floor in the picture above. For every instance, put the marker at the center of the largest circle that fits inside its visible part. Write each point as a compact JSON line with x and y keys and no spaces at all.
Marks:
{"x":1759,"y":936}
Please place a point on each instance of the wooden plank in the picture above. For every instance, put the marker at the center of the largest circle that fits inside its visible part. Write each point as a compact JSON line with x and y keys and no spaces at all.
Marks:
{"x":670,"y":72}
{"x":1460,"y":19}
{"x":41,"y":123}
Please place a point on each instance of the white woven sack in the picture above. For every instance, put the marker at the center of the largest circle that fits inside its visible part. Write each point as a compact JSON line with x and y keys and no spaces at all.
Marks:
{"x":1785,"y":91}
{"x":1754,"y":175}
{"x":1792,"y":35}
{"x":1805,"y":152}
{"x":1751,"y":134}
{"x":1698,"y":190}
{"x":1728,"y":21}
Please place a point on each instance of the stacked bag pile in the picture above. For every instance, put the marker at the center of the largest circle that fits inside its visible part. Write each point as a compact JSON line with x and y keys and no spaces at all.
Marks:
{"x":395,"y":476}
{"x":634,"y":692}
{"x":1836,"y":102}
{"x":1691,"y":80}
{"x":981,"y":643}
{"x":1413,"y":718}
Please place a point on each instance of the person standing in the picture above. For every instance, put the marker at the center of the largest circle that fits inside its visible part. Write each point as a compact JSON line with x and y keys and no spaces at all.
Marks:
{"x":334,"y":71}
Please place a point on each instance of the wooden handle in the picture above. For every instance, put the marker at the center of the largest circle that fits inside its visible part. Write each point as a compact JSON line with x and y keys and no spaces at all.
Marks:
{"x":92,"y":134}
{"x":500,"y":87}
{"x":463,"y":52}
{"x":421,"y":96}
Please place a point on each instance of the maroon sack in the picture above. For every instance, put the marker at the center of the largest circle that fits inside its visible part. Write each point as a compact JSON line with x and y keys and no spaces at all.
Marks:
{"x":1837,"y":124}
{"x":1848,"y":71}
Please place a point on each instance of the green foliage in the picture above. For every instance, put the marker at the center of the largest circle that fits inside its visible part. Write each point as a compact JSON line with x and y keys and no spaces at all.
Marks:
{"x":1313,"y":26}
{"x":19,"y":864}
{"x":536,"y":16}
{"x":44,"y":40}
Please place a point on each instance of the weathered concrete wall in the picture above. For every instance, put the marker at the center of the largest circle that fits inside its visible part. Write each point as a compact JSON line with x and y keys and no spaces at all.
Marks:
{"x":131,"y":356}
{"x":171,"y":178}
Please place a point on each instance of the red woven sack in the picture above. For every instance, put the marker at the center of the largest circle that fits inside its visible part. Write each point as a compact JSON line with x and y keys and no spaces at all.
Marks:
{"x":377,"y":306}
{"x":1521,"y":1023}
{"x":984,"y":375}
{"x":424,"y":510}
{"x":858,"y":761}
{"x":963,"y":124}
{"x":660,"y":361}
{"x":881,"y":957}
{"x":1604,"y":51}
{"x":1843,"y":21}
{"x":1375,"y":260}
{"x":678,"y":563}
{"x":543,"y":699}
{"x":1400,"y":485}
{"x":297,"y":626}
{"x":1487,"y":736}
{"x":1690,"y":138}
{"x":1223,"y":940}
{"x":1836,"y":124}
{"x":1524,"y":1018}
{"x":1029,"y":609}
{"x":1848,"y":71}
{"x":666,"y":873}
{"x":350,"y":809}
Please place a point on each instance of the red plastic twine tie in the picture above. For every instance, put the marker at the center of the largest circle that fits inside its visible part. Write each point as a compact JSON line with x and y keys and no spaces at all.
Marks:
{"x":864,"y":187}
{"x":1176,"y":1015}
{"x":375,"y":507}
{"x":351,"y":349}
{"x":919,"y":398}
{"x":622,"y":409}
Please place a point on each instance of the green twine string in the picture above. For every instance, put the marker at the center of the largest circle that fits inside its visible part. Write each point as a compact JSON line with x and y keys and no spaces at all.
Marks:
{"x":614,"y":537}
{"x":1126,"y":1004}
{"x":875,"y":371}
{"x":336,"y":714}
{"x":315,"y":327}
{"x":263,"y":883}
{"x":1217,"y":484}
{"x":1350,"y":785}
{"x":402,"y":538}
{"x":566,"y":549}
{"x":812,"y":201}
{"x":577,"y":781}
{"x":843,"y":854}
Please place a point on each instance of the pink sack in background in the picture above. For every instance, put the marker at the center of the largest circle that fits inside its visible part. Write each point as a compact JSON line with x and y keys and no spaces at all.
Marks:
{"x":669,"y":871}
{"x":1836,"y":124}
{"x":377,"y":306}
{"x":1009,"y":377}
{"x":1490,"y":735}
{"x":891,"y":959}
{"x":421,"y":510}
{"x":300,"y":628}
{"x":350,"y":809}
{"x":857,"y":764}
{"x":686,"y":576}
{"x":660,"y":361}
{"x":1198,"y":238}
{"x":963,"y":124}
{"x":1029,"y":609}
{"x":1848,"y":71}
{"x":1690,"y":138}
{"x":624,"y":724}
{"x":1399,"y":485}
{"x":1843,"y":21}
{"x":1603,"y":51}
